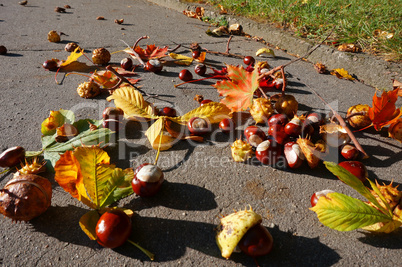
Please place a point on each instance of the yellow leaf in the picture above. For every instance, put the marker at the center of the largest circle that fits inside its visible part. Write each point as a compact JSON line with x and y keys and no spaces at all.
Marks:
{"x":342,"y":74}
{"x":72,"y":57}
{"x":132,"y":103}
{"x":155,"y":133}
{"x":88,"y":223}
{"x":50,"y":124}
{"x":214,"y":112}
{"x":264,"y":52}
{"x":181,"y":60}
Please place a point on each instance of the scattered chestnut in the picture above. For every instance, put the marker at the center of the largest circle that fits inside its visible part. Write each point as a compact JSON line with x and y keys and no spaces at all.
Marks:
{"x":356,"y":168}
{"x":257,"y":241}
{"x":154,"y":65}
{"x":112,"y":113}
{"x":293,"y":154}
{"x":126,"y":63}
{"x":113,"y":229}
{"x":12,"y":156}
{"x":196,"y":53}
{"x":205,"y":101}
{"x":167,"y":111}
{"x":254,"y":135}
{"x":248,"y":60}
{"x":198,"y":126}
{"x":226,"y":125}
{"x":317,"y":195}
{"x":3,"y":50}
{"x":147,"y":180}
{"x":185,"y":75}
{"x":114,"y":125}
{"x":268,"y":152}
{"x":50,"y":65}
{"x":200,"y":69}
{"x":349,"y":152}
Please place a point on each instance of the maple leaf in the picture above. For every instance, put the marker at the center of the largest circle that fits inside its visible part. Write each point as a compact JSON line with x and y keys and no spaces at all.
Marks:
{"x":239,"y":89}
{"x":384,"y":111}
{"x":150,"y":52}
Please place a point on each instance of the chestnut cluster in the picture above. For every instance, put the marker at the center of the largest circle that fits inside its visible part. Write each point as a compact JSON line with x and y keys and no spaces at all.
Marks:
{"x":279,"y":147}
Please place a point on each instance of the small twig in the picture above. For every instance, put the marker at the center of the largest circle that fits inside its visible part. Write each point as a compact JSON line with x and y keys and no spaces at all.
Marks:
{"x":174,"y":49}
{"x":135,"y":54}
{"x":342,"y":123}
{"x":139,"y":39}
{"x":297,"y":59}
{"x":227,"y":45}
{"x":263,"y":93}
{"x":123,"y":79}
{"x":284,"y":80}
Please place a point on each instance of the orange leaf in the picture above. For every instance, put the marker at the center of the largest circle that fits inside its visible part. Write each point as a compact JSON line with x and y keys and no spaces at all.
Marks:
{"x":239,"y":89}
{"x":150,"y":52}
{"x":68,"y":173}
{"x":384,"y":111}
{"x":107,"y":79}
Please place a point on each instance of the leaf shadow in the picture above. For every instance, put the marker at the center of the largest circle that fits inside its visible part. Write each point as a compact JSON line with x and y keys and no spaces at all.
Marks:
{"x":178,"y":196}
{"x":380,"y":240}
{"x":62,"y":223}
{"x":169,"y":240}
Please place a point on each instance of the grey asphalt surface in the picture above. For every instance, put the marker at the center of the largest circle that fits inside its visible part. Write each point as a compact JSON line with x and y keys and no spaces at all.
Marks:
{"x":202,"y":182}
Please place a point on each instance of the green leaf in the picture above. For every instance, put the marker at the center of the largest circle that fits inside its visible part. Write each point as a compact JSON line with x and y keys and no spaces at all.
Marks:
{"x":344,"y":213}
{"x":30,"y":154}
{"x":83,"y":125}
{"x":88,"y":223}
{"x":51,"y":158}
{"x":87,"y":138}
{"x":48,"y":140}
{"x":354,"y":182}
{"x":118,"y":187}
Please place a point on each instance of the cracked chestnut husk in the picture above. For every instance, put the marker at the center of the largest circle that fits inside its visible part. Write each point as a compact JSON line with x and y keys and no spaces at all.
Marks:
{"x":25,"y":197}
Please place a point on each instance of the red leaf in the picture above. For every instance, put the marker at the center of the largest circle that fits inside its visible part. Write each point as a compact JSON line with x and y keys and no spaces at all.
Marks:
{"x":151,"y":52}
{"x":239,"y":89}
{"x":384,"y":111}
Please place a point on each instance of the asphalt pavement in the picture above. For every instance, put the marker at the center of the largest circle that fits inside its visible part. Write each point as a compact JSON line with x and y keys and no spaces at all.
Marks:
{"x":202,"y":181}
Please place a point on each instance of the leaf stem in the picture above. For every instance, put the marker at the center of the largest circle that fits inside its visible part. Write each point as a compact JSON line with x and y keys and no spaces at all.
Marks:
{"x":202,"y":79}
{"x":160,"y":142}
{"x":342,"y":123}
{"x":146,"y":252}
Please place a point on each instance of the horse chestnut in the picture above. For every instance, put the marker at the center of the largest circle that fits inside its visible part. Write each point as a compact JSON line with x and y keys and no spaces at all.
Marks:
{"x":147,"y":180}
{"x":113,"y":229}
{"x":317,"y":195}
{"x":256,"y":242}
{"x":254,"y":135}
{"x":12,"y":156}
{"x":356,"y":168}
{"x":198,"y":126}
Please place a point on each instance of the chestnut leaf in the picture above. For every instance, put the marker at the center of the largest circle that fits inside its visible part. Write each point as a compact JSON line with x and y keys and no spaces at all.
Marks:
{"x":351,"y":180}
{"x":345,"y":213}
{"x":88,"y":176}
{"x":132,"y":103}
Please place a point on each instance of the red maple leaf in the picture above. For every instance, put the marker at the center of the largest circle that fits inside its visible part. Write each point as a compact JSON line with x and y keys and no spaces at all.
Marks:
{"x":384,"y":111}
{"x":150,"y":52}
{"x":238,"y":90}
